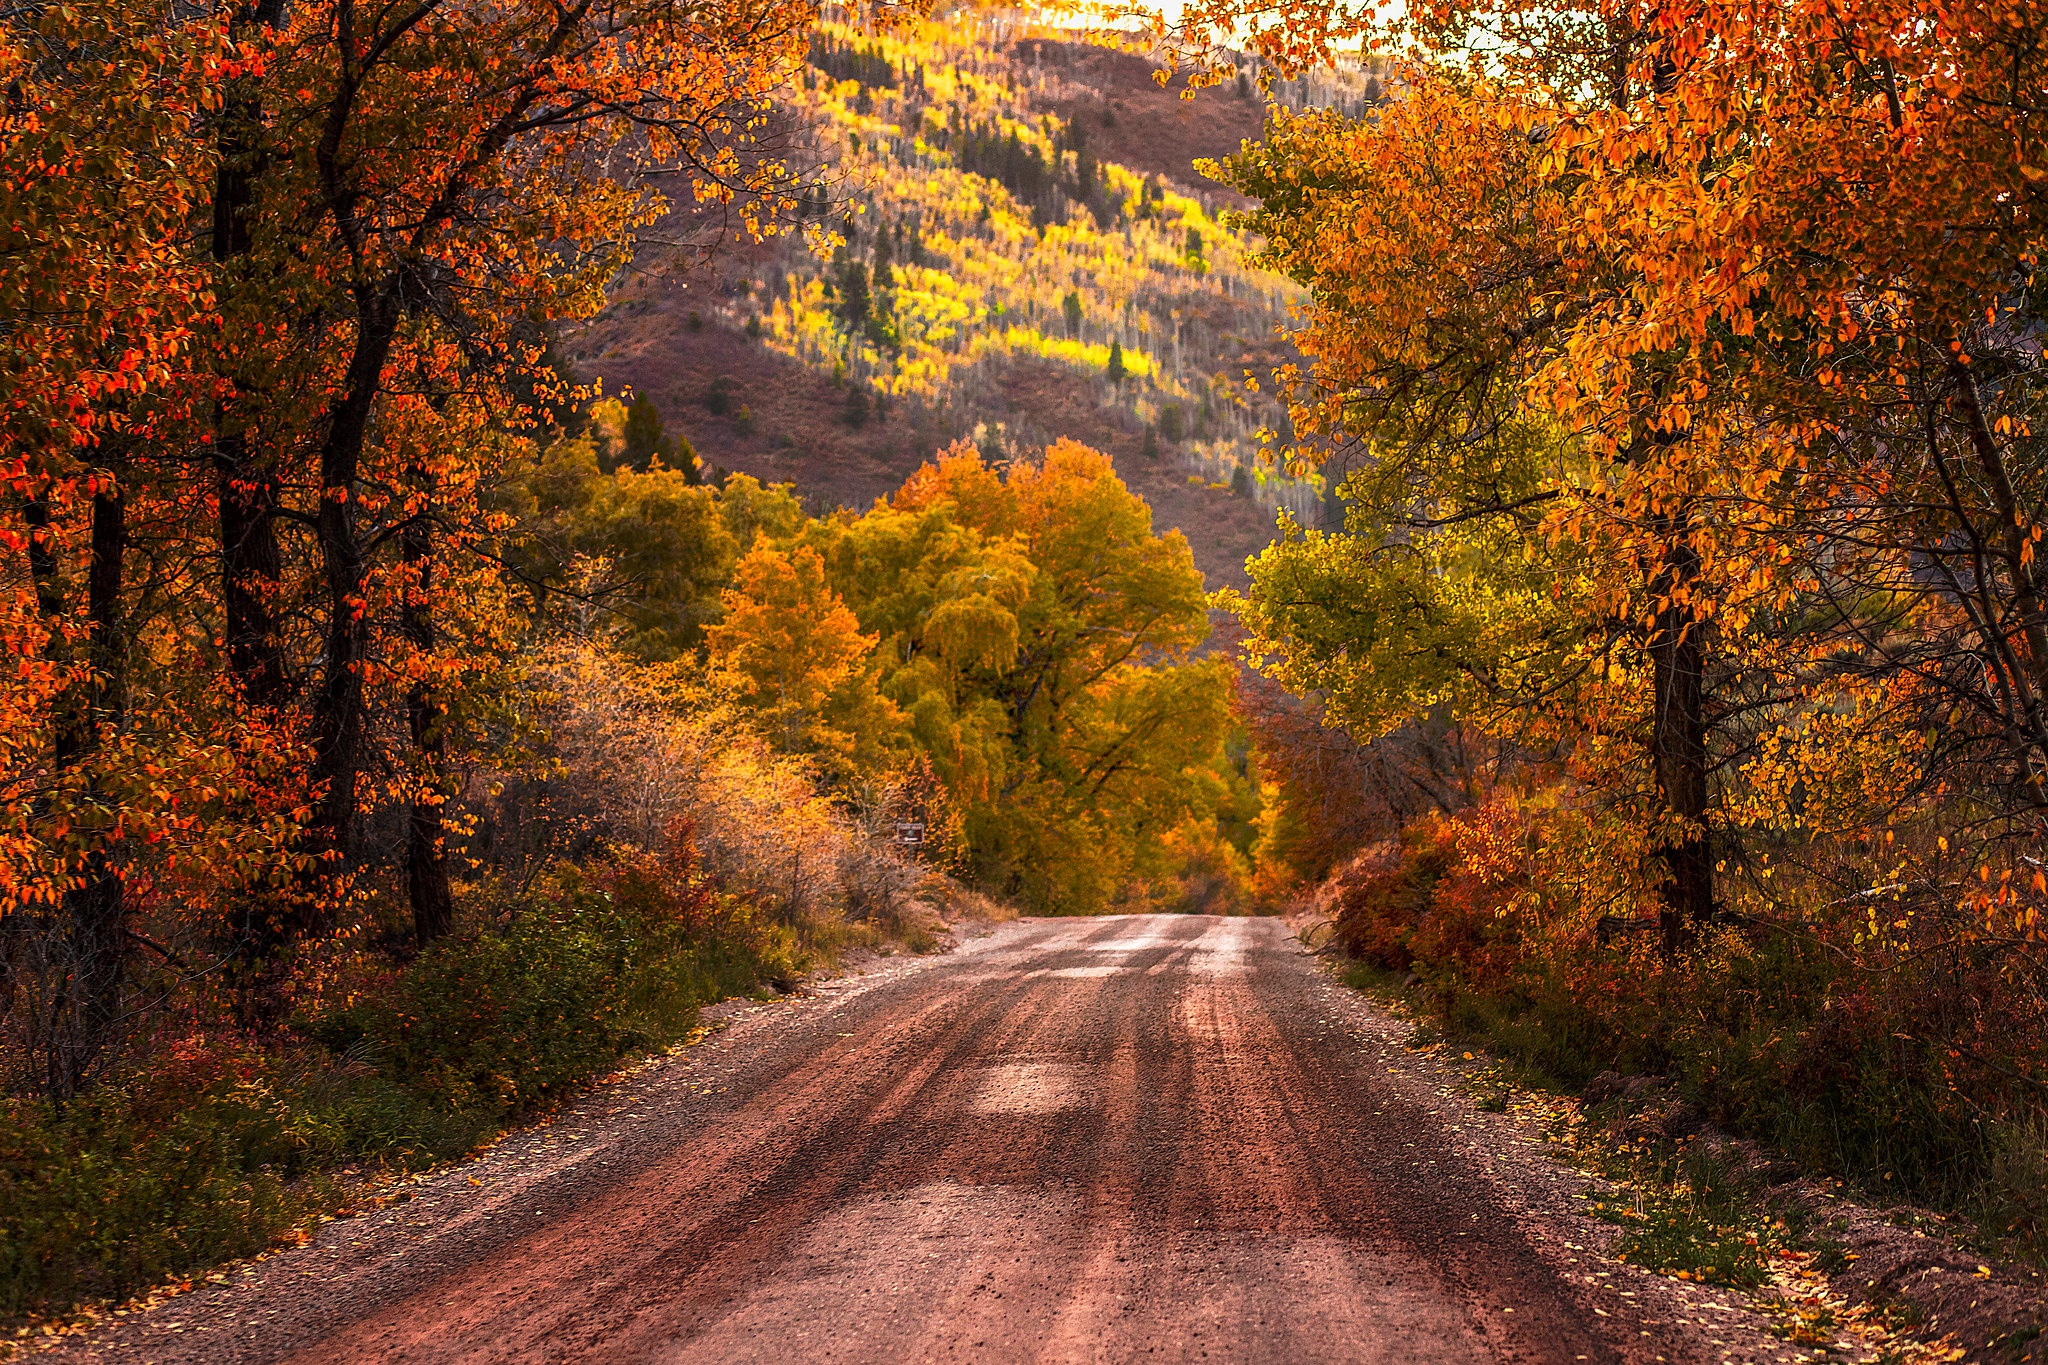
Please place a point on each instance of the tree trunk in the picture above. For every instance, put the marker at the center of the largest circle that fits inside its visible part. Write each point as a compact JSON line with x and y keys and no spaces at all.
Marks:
{"x":250,"y":569}
{"x":42,"y":557}
{"x":97,"y":907}
{"x":339,"y":721}
{"x":87,"y":943}
{"x":2018,"y":584}
{"x":433,"y":909}
{"x":247,"y":489}
{"x":1678,"y":747}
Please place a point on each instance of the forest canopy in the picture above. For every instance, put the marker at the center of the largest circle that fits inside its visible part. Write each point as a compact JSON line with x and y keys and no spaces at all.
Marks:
{"x":1651,"y":666}
{"x":309,"y":530}
{"x":1679,"y":368}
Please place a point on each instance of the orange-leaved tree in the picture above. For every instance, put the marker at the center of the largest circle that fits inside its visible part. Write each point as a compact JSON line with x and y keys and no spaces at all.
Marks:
{"x":439,"y":182}
{"x":275,"y":294}
{"x":1689,"y":362}
{"x":117,"y":777}
{"x":789,"y":649}
{"x":1777,"y":264}
{"x":1037,"y":633}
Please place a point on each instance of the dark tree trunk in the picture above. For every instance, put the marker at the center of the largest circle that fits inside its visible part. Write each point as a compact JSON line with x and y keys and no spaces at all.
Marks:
{"x":86,"y":944}
{"x":42,"y":557}
{"x":251,"y":568}
{"x":97,"y":908}
{"x":339,"y":720}
{"x":426,"y":858}
{"x":247,"y":482}
{"x":1678,"y":747}
{"x":246,"y":487}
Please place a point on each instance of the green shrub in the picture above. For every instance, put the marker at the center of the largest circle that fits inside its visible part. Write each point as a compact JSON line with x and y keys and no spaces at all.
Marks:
{"x":508,"y":1022}
{"x":103,"y":1194}
{"x":213,"y":1149}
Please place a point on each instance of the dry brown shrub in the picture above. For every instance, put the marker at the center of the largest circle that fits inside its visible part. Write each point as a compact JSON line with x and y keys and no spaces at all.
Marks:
{"x":642,"y":755}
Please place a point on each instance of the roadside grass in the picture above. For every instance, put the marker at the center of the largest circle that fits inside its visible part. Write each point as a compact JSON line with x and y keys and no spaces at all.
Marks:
{"x":1683,"y":1207}
{"x":1776,"y":1044}
{"x":1681,"y":1211}
{"x":1684,"y":1214}
{"x":1870,"y":1113}
{"x":215,"y":1145}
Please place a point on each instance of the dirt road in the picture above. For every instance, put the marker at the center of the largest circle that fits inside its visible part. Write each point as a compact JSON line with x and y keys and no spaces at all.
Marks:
{"x":1152,"y":1138}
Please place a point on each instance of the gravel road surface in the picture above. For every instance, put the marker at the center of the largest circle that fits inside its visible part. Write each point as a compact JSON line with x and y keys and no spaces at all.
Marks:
{"x":1153,"y":1138}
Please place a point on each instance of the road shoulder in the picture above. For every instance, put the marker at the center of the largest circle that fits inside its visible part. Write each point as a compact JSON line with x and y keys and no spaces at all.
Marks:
{"x":1547,"y":1162}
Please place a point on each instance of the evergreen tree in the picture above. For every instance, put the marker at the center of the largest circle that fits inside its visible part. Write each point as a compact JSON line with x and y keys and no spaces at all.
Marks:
{"x":1070,"y":307}
{"x":1116,"y":371}
{"x":645,"y":436}
{"x":881,"y":322}
{"x":856,"y":304}
{"x":718,"y":398}
{"x":885,"y":263}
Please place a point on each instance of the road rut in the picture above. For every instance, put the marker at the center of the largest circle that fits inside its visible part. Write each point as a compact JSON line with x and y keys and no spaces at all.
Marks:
{"x":1140,"y":1138}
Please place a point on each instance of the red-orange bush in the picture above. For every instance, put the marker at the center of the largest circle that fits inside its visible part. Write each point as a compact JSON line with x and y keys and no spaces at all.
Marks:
{"x":1445,"y":895}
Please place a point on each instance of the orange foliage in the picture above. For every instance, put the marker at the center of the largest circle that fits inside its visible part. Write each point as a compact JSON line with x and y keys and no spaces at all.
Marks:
{"x":251,"y":590}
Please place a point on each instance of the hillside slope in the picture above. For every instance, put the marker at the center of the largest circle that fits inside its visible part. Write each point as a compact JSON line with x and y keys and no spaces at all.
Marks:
{"x":1010,"y":207}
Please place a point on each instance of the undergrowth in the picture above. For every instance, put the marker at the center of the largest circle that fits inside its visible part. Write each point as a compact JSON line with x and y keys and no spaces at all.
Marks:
{"x":1895,"y":1083}
{"x":216,"y":1144}
{"x":1683,"y":1213}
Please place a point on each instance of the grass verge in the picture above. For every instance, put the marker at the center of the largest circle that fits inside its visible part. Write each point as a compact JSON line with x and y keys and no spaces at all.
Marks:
{"x":214,"y":1145}
{"x":1692,"y":1205}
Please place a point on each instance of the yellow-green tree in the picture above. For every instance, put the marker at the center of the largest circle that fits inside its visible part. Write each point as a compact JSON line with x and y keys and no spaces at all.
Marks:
{"x":793,"y":654}
{"x":1038,"y":636}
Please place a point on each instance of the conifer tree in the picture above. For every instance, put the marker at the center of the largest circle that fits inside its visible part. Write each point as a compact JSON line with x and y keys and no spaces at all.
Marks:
{"x":645,"y":436}
{"x":856,"y":304}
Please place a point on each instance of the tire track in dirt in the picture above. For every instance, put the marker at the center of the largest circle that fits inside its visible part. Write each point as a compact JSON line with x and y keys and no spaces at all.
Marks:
{"x":707,"y":1216}
{"x":1075,"y":1140}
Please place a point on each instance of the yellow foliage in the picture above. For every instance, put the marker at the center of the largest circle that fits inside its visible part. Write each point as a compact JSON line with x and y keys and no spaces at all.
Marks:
{"x":792,"y":653}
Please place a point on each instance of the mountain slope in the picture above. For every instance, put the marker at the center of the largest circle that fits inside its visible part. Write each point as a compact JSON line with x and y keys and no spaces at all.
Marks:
{"x":1011,"y":205}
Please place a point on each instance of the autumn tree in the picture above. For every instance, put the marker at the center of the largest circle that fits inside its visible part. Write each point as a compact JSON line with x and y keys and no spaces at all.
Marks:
{"x":1766,"y":278}
{"x":273,"y":301}
{"x":1445,"y":301}
{"x":1036,"y":633}
{"x":107,"y":765}
{"x":445,"y":206}
{"x":792,"y":653}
